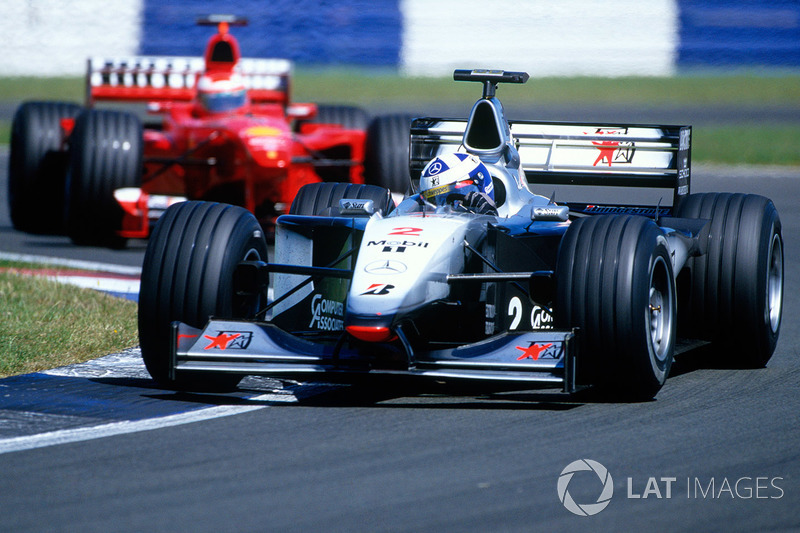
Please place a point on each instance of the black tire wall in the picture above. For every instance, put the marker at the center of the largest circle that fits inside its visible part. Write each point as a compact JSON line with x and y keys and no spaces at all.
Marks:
{"x":105,"y":155}
{"x":318,"y":198}
{"x":38,"y":166}
{"x":188,"y":274}
{"x":727,"y":296}
{"x":350,"y":117}
{"x":386,"y":160}
{"x":605,"y":270}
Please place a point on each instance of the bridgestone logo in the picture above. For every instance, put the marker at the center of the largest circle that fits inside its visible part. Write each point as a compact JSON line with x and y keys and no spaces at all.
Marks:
{"x":646,"y":211}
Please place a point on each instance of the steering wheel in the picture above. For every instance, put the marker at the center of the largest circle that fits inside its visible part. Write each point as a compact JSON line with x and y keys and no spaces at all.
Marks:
{"x":454,"y":197}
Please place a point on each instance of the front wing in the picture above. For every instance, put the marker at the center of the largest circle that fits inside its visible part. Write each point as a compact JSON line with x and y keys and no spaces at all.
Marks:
{"x":259,"y":348}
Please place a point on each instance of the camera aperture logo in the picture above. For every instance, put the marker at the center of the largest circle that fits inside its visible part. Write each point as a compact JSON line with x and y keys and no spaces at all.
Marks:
{"x":581,"y":481}
{"x":585,"y":465}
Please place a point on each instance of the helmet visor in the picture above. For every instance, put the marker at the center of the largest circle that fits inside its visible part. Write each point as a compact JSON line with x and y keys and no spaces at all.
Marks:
{"x":451,"y":193}
{"x":223,"y":101}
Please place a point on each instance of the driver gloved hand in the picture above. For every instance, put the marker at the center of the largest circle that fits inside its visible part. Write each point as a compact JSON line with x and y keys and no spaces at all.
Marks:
{"x":480,"y":203}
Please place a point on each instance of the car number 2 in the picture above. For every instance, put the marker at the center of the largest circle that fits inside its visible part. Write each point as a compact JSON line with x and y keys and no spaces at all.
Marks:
{"x":540,"y":318}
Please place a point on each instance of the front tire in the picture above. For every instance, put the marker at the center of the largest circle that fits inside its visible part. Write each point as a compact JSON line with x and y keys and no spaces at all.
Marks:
{"x":735,"y":295}
{"x":615,"y":282}
{"x":322,"y":199}
{"x":349,"y":117}
{"x":188,"y":276}
{"x":105,"y":155}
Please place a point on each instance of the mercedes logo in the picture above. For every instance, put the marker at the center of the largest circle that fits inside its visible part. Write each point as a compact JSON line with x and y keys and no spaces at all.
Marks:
{"x":435,"y":168}
{"x":385,"y":267}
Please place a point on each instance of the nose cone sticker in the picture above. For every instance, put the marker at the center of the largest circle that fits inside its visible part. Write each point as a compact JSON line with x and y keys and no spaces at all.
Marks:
{"x":383,"y":266}
{"x":378,"y":289}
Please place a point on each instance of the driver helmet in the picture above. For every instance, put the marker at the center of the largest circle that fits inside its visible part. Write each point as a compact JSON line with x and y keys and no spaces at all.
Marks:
{"x":456,"y":173}
{"x":221,"y":92}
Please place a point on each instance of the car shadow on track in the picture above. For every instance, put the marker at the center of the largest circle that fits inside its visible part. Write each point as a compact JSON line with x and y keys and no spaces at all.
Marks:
{"x":702,"y":358}
{"x":378,"y":394}
{"x":356,"y":396}
{"x":153,"y":391}
{"x":409,"y":393}
{"x":399,"y":393}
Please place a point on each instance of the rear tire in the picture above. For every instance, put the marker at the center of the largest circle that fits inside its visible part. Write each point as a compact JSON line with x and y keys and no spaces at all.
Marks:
{"x":615,"y":282}
{"x":105,"y":155}
{"x":386,"y":159}
{"x":349,"y":117}
{"x":37,"y":166}
{"x":322,"y":199}
{"x":735,"y":295}
{"x":188,"y":276}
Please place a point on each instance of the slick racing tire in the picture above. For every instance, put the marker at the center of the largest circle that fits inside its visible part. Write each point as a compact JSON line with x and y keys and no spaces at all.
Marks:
{"x":735,"y":290}
{"x":337,"y":160}
{"x":187,"y":276}
{"x":105,"y":155}
{"x":322,"y":199}
{"x":615,"y":282}
{"x":349,"y":117}
{"x":38,"y":166}
{"x":386,"y":157}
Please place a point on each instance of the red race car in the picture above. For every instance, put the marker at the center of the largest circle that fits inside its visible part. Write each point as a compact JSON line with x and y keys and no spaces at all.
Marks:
{"x":226,"y":131}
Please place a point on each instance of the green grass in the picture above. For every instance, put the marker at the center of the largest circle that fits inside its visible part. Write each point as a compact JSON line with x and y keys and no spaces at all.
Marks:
{"x":743,"y":89}
{"x":45,"y":324}
{"x":369,"y":88}
{"x":32,"y":88}
{"x":738,"y":143}
{"x":752,"y":144}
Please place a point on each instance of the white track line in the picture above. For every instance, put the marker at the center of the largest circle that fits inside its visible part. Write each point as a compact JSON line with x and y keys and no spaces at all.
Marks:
{"x":65,"y":436}
{"x":128,"y":364}
{"x":72,"y":263}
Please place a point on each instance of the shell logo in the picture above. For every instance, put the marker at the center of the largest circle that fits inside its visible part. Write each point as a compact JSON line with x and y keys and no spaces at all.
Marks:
{"x":263,"y":131}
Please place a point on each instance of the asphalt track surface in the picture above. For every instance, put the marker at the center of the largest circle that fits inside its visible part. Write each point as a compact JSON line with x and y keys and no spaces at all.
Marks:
{"x":717,"y":450}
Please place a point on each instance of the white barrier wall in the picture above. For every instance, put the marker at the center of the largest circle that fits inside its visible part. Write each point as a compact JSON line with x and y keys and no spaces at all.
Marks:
{"x":541,"y":37}
{"x":54,"y":37}
{"x":418,"y":37}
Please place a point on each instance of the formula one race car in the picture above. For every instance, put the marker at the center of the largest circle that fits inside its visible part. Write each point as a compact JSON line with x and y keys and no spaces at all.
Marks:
{"x":473,"y":276}
{"x":227,"y":132}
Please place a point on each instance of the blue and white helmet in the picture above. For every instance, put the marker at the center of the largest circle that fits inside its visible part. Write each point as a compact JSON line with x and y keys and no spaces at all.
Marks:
{"x":455,"y":173}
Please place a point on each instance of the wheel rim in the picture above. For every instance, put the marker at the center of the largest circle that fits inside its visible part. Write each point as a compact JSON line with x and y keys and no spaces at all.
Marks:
{"x":775,"y":283}
{"x":660,"y":310}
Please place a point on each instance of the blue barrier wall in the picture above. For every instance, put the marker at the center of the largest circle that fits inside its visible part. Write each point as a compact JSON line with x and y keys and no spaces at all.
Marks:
{"x":356,"y":32}
{"x":711,"y":33}
{"x":417,"y":37}
{"x":725,"y":33}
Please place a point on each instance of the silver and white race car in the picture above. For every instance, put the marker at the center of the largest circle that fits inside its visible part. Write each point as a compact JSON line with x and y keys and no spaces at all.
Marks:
{"x":566,"y":294}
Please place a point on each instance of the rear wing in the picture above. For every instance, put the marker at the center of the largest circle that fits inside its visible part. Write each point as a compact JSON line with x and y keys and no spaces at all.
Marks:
{"x":564,"y":153}
{"x":157,"y":78}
